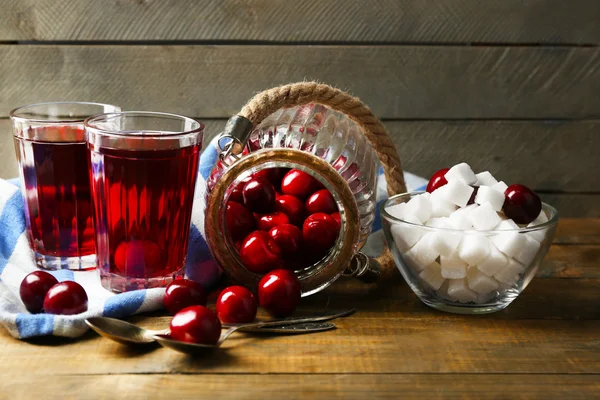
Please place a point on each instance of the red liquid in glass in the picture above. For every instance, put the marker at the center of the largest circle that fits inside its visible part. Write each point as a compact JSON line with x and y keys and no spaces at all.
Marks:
{"x":144,"y":213}
{"x":57,"y":195}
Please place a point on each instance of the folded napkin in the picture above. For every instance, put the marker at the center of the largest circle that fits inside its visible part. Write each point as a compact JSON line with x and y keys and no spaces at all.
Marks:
{"x":16,"y":261}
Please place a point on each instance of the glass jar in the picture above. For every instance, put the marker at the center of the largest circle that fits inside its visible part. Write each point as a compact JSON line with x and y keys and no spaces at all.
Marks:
{"x":328,"y":145}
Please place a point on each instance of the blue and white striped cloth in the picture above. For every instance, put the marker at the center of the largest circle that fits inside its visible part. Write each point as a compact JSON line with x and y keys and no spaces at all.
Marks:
{"x":16,"y":261}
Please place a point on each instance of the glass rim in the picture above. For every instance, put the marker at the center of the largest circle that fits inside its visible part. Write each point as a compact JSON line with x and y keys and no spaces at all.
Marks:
{"x":382,"y":209}
{"x":14,"y":113}
{"x":90,"y":121}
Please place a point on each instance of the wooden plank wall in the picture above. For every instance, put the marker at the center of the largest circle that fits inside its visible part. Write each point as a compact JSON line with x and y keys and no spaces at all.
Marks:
{"x":510,"y":86}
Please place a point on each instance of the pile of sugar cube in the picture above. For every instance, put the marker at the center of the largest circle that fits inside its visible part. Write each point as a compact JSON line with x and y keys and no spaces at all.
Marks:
{"x":460,"y":262}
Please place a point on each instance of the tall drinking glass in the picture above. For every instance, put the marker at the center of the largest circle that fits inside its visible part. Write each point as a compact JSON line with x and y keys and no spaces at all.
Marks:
{"x":143,"y":172}
{"x":51,"y":151}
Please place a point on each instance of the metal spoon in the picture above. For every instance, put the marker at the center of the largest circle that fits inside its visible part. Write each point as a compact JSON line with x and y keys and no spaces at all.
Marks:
{"x":195,"y":348}
{"x":127,"y":333}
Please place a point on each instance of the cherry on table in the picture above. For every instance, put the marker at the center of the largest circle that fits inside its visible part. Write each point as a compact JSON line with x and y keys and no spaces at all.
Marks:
{"x":196,"y":324}
{"x":265,"y":222}
{"x":299,"y":184}
{"x":260,"y":253}
{"x":33,"y":290}
{"x":182,"y":293}
{"x":320,"y":232}
{"x":288,"y":237}
{"x":66,"y":298}
{"x":240,"y":221}
{"x":292,"y":207}
{"x":437,"y":180}
{"x":259,"y":195}
{"x":521,"y":204}
{"x":279,"y":293}
{"x":320,"y":201}
{"x":236,"y":304}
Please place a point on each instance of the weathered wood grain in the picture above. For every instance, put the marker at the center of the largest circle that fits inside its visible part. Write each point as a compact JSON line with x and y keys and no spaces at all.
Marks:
{"x":398,"y":82}
{"x":418,"y":21}
{"x":578,"y":231}
{"x":307,"y":386}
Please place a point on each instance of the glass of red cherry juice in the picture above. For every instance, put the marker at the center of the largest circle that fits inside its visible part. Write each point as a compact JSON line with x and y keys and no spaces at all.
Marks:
{"x":143,"y":168}
{"x":51,"y":152}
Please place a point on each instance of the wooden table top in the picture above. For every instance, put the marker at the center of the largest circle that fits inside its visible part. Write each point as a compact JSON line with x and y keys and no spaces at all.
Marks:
{"x":546,"y":344}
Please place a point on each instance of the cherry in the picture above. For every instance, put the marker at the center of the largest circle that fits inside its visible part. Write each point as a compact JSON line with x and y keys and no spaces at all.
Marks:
{"x":138,"y":258}
{"x":265,"y":222}
{"x":66,"y":298}
{"x":437,"y":180}
{"x":279,"y":293}
{"x":260,"y":253}
{"x":237,"y":193}
{"x":472,"y":198}
{"x":196,"y":324}
{"x":259,"y":195}
{"x":288,"y":237}
{"x":338,"y":219}
{"x":236,"y":304}
{"x":299,"y":183}
{"x":273,"y":175}
{"x":292,"y":207}
{"x":240,"y":221}
{"x":319,"y":232}
{"x":34,"y":288}
{"x":320,"y":201}
{"x":182,"y":293}
{"x":521,"y":205}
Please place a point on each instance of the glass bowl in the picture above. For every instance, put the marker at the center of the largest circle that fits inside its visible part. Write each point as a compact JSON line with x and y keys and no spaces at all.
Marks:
{"x":483,"y":283}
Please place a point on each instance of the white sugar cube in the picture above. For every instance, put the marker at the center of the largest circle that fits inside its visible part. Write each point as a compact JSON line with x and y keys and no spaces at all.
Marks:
{"x":484,"y":298}
{"x":528,"y":251}
{"x":406,"y":235}
{"x":432,"y":276}
{"x":440,"y":207}
{"x":397,"y":210}
{"x":541,"y":219}
{"x":485,"y":179}
{"x":460,"y":221}
{"x":443,"y":291}
{"x":461,"y":172}
{"x":459,"y":290}
{"x":486,"y":194}
{"x":500,"y":186}
{"x":540,"y":234}
{"x":494,"y":262}
{"x":506,"y":225}
{"x":458,"y":193}
{"x":479,"y":282}
{"x":445,"y":242}
{"x":436,"y":222}
{"x":423,"y":251}
{"x":510,"y":273}
{"x":473,"y":248}
{"x":484,"y":217}
{"x":420,"y":207}
{"x":453,"y":267}
{"x":411,"y":260}
{"x":510,"y":243}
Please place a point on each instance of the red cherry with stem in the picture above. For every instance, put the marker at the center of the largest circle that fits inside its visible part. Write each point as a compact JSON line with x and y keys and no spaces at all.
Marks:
{"x":288,"y":237}
{"x":236,"y":304}
{"x":196,"y":324}
{"x":279,"y":293}
{"x":292,"y":207}
{"x":66,"y":298}
{"x":240,"y":221}
{"x":320,"y":201}
{"x":182,"y":293}
{"x":437,"y":180}
{"x":138,"y":258}
{"x":319,"y":232}
{"x":260,"y":253}
{"x":299,"y":184}
{"x":336,"y":216}
{"x":472,"y":198}
{"x":521,"y":204}
{"x":265,"y":222}
{"x":259,"y":195}
{"x":33,"y":290}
